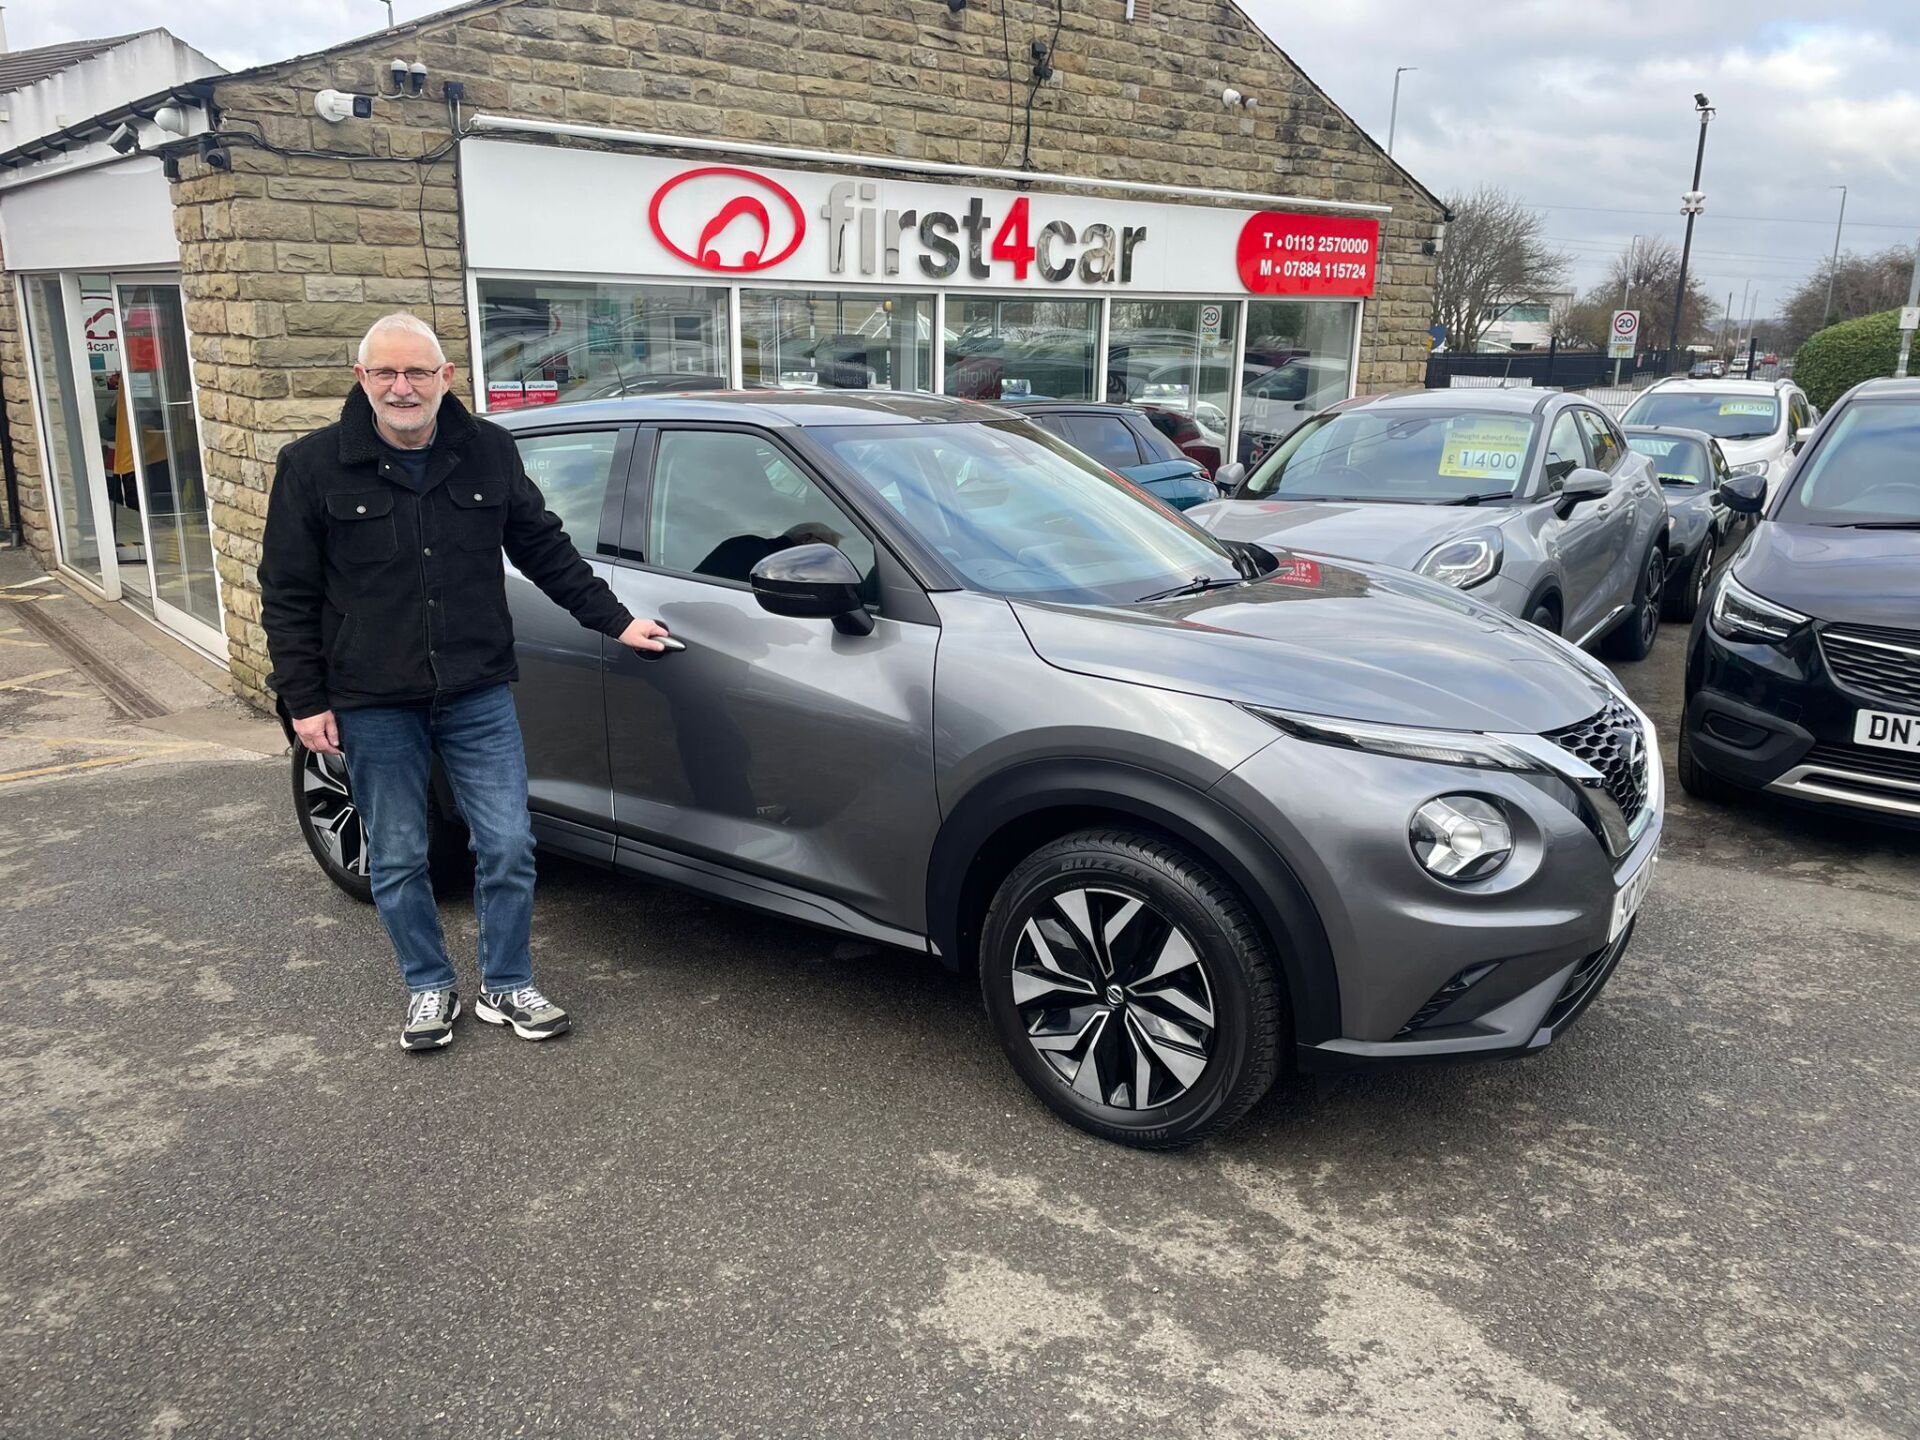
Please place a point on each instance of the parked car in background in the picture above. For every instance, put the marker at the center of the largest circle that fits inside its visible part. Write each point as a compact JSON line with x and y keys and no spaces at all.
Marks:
{"x":1204,"y":446}
{"x":1803,"y":678}
{"x":1755,"y":421}
{"x":944,"y":683}
{"x":1123,"y":439}
{"x":1530,"y":499}
{"x":1707,"y":370}
{"x":1701,"y":529}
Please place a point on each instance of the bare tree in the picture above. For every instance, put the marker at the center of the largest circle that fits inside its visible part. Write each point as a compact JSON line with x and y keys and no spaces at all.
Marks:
{"x":1862,"y":285}
{"x":1654,"y":272}
{"x":1494,"y":257}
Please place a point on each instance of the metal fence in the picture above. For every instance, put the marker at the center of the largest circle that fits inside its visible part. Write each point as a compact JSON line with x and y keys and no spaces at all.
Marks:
{"x":1553,"y":368}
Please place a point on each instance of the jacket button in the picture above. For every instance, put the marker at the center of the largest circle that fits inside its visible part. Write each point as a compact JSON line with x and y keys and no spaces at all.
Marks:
{"x":359,"y":509}
{"x":426,"y":550}
{"x":476,"y":494}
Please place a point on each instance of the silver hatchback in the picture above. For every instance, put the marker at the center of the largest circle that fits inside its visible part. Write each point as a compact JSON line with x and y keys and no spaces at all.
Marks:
{"x":1189,"y":809}
{"x":1530,"y":499}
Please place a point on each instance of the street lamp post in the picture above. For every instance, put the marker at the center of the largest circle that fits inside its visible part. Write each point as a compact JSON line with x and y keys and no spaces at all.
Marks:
{"x":1393,"y":116}
{"x":1833,"y":265}
{"x":389,"y":4}
{"x":1691,"y":205}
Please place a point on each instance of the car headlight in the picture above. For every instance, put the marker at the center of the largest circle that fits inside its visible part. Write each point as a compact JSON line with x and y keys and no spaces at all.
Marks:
{"x":1739,"y":614}
{"x":1752,"y":467}
{"x":1441,"y":747}
{"x":1460,"y":837}
{"x":1465,"y":560}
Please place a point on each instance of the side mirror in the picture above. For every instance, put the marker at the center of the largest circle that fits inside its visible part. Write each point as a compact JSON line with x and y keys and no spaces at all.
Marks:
{"x":1746,"y":494}
{"x":1230,"y":477}
{"x":1801,"y":436}
{"x":812,"y":582}
{"x":1581,"y":484}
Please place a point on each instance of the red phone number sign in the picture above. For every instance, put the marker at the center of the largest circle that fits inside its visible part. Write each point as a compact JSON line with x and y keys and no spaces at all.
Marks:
{"x":1284,"y":254}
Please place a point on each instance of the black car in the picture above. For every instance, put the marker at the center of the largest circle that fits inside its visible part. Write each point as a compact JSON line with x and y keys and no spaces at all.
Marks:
{"x":1701,"y":529}
{"x":1124,"y":440}
{"x":1803,"y":674}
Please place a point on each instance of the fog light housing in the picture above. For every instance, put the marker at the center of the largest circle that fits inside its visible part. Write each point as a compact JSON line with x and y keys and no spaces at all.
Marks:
{"x":1460,"y":837}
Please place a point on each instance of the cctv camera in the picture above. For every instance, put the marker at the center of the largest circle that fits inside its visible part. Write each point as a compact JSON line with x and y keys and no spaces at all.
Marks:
{"x":124,"y":139}
{"x":398,"y":69}
{"x":1699,"y":101}
{"x":1229,"y":97}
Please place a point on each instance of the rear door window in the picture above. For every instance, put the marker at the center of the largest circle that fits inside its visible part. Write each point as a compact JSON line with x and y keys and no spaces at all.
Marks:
{"x":1106,"y":438}
{"x":575,"y":471}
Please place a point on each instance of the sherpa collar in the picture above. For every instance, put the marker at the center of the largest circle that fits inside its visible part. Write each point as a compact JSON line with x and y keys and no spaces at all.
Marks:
{"x":360,"y":442}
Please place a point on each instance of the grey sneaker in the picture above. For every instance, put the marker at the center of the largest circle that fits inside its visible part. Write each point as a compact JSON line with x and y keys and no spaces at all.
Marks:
{"x":531,"y":1014}
{"x":430,"y":1017}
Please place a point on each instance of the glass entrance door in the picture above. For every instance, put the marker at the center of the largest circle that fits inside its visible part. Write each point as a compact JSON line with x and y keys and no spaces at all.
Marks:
{"x":153,"y":457}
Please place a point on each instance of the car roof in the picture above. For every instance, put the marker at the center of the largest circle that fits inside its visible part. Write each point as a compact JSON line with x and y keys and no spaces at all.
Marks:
{"x":1052,"y":407}
{"x":778,"y":408}
{"x":1903,"y":387}
{"x":1678,"y":432}
{"x":1515,"y":400}
{"x":1728,"y":386}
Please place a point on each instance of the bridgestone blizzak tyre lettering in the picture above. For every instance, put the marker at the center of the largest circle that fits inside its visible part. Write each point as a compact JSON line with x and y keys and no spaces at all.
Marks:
{"x":1237,"y":983}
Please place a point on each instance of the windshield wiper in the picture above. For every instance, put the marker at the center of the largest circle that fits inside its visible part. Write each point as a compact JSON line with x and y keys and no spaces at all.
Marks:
{"x":1881,"y":525}
{"x":1476,"y":499}
{"x":1199,"y":585}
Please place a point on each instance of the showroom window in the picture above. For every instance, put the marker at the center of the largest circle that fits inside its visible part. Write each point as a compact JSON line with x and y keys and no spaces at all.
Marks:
{"x":1298,"y":360}
{"x":1002,"y":349}
{"x":859,"y":340}
{"x":543,"y":341}
{"x":1175,"y":357}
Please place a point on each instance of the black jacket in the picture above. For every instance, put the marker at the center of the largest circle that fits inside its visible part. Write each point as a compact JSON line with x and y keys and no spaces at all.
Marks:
{"x":372,"y":594}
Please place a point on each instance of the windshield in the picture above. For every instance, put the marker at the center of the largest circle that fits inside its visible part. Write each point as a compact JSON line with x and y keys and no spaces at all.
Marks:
{"x":1676,"y":462}
{"x":1018,"y":513}
{"x":1866,"y":471}
{"x":1723,"y":416}
{"x":1415,"y":457}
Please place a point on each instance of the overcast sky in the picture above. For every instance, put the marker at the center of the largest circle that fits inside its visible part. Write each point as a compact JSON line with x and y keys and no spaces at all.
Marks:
{"x":1581,"y":107}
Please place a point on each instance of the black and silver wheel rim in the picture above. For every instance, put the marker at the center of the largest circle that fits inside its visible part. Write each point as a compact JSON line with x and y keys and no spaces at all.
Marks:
{"x":335,"y":819}
{"x":1114,"y":997}
{"x":1703,"y":572}
{"x":1656,"y":592}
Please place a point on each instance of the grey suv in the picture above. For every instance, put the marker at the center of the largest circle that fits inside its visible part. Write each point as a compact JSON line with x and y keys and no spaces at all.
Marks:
{"x":1528,"y":498}
{"x":1186,"y":808}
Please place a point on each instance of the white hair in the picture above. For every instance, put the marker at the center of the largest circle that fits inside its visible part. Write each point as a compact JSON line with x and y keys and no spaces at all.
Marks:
{"x":401,"y":320}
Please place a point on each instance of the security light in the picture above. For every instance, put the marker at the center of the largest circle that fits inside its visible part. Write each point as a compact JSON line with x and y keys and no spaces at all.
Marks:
{"x":417,"y":74}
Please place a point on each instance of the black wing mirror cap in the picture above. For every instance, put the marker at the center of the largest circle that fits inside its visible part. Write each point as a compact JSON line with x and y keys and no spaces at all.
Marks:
{"x":1745,"y":493}
{"x":812,"y":582}
{"x":1581,"y":484}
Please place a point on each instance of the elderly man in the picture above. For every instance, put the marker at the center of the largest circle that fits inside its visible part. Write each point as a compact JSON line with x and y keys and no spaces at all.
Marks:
{"x":383,"y":597}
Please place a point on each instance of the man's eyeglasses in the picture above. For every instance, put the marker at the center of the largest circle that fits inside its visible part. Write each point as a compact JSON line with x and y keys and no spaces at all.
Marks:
{"x":414,"y":377}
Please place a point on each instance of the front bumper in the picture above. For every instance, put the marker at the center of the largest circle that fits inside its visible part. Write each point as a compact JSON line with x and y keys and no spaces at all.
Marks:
{"x":1773,"y":718}
{"x":1428,"y":969}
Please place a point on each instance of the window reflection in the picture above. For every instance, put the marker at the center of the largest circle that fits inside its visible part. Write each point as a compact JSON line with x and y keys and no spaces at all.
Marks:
{"x":858,"y":340}
{"x":545,"y":341}
{"x":999,"y":349}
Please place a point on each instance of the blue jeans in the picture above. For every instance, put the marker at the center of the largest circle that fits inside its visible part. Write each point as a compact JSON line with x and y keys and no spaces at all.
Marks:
{"x":389,"y":750}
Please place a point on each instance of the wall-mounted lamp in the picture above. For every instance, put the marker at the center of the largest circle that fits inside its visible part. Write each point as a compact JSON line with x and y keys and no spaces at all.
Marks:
{"x":1231,"y":98}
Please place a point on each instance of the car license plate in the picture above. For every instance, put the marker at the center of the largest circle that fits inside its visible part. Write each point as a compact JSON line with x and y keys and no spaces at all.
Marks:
{"x":1626,"y":900}
{"x":1886,"y":731}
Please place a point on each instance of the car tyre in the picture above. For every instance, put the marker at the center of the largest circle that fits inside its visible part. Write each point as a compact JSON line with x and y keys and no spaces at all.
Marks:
{"x":1633,"y":637}
{"x":1684,"y":592}
{"x":1117,"y":968}
{"x":335,"y":832}
{"x":1695,"y":778}
{"x":1545,"y":616}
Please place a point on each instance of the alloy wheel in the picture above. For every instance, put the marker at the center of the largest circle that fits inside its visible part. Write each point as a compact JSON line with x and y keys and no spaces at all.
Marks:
{"x":335,"y":818}
{"x":1114,"y":997}
{"x":1702,"y":572}
{"x":1655,"y":593}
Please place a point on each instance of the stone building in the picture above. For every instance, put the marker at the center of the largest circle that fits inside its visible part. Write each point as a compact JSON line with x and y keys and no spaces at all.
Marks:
{"x":1115,"y":199}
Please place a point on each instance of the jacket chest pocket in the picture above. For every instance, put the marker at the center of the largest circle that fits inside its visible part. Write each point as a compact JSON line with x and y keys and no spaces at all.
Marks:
{"x":479,"y":512}
{"x":360,"y":527}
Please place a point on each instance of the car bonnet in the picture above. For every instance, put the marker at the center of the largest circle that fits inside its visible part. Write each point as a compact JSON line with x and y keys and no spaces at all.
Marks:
{"x":1387,"y":534}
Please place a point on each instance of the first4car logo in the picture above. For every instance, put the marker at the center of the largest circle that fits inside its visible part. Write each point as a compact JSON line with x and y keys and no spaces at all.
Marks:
{"x":726,"y":219}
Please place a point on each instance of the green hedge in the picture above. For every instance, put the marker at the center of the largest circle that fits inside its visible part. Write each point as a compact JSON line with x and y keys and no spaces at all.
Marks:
{"x":1839,"y":357}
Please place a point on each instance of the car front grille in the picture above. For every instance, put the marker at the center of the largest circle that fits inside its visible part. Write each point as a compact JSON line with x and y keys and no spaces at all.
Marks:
{"x":1875,"y":662}
{"x":1866,"y":760}
{"x":1612,"y":743}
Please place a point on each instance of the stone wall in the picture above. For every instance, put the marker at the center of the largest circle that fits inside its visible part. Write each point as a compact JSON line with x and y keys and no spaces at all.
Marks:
{"x":34,"y":519}
{"x":288,"y":258}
